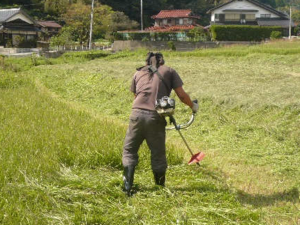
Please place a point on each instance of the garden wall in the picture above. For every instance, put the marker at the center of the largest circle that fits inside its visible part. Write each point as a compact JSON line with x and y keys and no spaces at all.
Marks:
{"x":8,"y":51}
{"x":180,"y":45}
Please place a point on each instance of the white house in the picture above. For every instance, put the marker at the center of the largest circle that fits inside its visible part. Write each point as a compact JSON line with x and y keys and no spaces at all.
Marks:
{"x":248,"y":12}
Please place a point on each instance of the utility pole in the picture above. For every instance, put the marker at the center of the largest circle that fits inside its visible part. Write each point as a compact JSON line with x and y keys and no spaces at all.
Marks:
{"x":142,"y":27}
{"x":91,"y":25}
{"x":290,"y":25}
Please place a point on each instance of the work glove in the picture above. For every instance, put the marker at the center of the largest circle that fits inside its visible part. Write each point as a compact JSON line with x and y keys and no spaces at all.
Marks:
{"x":195,"y":106}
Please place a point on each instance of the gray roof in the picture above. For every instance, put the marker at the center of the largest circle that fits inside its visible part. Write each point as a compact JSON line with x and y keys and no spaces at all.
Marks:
{"x":240,"y":10}
{"x":5,"y":14}
{"x":280,"y":23}
{"x":255,"y":2}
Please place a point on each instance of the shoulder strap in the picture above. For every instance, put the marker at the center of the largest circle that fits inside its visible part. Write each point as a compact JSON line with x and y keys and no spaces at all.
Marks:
{"x":155,"y":71}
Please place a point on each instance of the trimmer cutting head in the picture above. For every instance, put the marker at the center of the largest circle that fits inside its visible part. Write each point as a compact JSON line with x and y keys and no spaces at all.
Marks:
{"x":196,"y":158}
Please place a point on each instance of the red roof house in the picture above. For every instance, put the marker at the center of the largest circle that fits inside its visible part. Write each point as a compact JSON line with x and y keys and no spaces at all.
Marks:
{"x":174,"y":20}
{"x":50,"y":24}
{"x":49,"y":28}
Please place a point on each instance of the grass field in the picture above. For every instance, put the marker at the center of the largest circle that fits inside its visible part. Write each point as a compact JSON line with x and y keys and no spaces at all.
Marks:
{"x":63,"y":121}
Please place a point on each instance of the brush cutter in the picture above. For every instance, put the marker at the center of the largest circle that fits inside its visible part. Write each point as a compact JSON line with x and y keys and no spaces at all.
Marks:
{"x":196,"y":158}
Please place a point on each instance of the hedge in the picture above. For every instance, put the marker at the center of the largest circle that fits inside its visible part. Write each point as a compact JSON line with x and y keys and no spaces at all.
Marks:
{"x":242,"y":32}
{"x":154,"y":36}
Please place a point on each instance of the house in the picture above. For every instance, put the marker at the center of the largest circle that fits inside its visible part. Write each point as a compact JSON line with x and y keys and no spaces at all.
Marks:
{"x":49,"y":29}
{"x":17,"y":27}
{"x":248,"y":12}
{"x":169,"y":25}
{"x":174,"y":20}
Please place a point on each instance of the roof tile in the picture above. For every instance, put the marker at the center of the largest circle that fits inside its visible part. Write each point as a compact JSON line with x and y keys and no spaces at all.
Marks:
{"x":177,"y":13}
{"x":49,"y":24}
{"x":7,"y":13}
{"x":171,"y":28}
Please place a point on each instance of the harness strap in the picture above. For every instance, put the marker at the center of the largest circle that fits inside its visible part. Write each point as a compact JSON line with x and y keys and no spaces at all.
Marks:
{"x":155,"y":71}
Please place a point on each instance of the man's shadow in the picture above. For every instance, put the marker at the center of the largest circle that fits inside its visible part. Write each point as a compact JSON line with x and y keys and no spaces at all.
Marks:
{"x":256,"y":200}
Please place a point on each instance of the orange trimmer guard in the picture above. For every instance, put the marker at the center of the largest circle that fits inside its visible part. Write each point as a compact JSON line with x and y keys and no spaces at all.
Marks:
{"x":196,"y":158}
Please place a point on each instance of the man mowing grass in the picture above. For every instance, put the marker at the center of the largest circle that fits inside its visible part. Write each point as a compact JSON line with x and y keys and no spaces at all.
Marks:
{"x":150,"y":83}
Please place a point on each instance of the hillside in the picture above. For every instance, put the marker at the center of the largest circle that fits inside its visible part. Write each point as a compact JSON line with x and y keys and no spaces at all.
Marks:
{"x":63,"y":122}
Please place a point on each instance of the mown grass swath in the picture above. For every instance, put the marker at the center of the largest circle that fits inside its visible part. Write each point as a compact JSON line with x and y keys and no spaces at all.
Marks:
{"x":63,"y":122}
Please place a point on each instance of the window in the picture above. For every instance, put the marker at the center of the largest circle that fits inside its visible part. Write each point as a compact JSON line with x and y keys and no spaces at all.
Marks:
{"x":169,"y":21}
{"x":250,"y":17}
{"x":165,"y":21}
{"x":219,"y":17}
{"x":179,"y":21}
{"x":232,"y":17}
{"x":265,"y":15}
{"x":30,"y":37}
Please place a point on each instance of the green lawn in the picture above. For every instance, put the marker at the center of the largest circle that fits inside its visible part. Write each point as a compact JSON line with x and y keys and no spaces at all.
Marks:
{"x":63,"y":122}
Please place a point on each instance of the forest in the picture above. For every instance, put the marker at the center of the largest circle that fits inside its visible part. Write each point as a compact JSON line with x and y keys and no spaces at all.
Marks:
{"x":54,"y":9}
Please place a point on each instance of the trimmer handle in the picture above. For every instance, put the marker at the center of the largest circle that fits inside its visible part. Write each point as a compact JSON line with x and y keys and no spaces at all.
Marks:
{"x":181,"y":126}
{"x":196,"y":102}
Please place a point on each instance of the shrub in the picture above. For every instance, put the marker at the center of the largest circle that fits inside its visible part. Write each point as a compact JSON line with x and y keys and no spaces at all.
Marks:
{"x":297,"y":30}
{"x":9,"y":44}
{"x":21,"y":42}
{"x":166,"y":36}
{"x":138,"y":36}
{"x":275,"y":35}
{"x":1,"y":41}
{"x":242,"y":32}
{"x":145,"y":39}
{"x":172,"y":45}
{"x":118,"y":36}
{"x":146,"y":36}
{"x":198,"y":34}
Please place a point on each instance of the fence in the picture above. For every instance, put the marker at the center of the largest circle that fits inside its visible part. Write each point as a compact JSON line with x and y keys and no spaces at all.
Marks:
{"x":19,"y":52}
{"x":179,"y":45}
{"x":79,"y":48}
{"x":10,"y":51}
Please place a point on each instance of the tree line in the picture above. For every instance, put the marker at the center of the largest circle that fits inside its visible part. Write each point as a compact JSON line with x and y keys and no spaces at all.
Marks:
{"x":113,"y":15}
{"x":53,"y":9}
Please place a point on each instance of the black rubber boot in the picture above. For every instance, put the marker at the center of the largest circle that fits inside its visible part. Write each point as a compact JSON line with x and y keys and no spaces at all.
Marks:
{"x":128,"y":177}
{"x":160,"y":178}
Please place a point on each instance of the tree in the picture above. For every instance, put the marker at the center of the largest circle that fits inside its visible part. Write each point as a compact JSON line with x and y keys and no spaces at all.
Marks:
{"x":77,"y":17}
{"x":119,"y":21}
{"x":106,"y":21}
{"x":64,"y":38}
{"x":132,"y":8}
{"x":56,"y":7}
{"x":279,"y":3}
{"x":296,"y":15}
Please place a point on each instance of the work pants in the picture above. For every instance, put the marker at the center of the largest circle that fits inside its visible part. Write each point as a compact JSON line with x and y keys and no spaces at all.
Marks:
{"x":146,"y":125}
